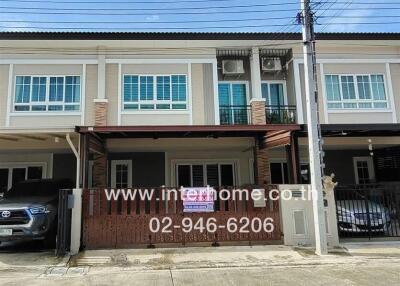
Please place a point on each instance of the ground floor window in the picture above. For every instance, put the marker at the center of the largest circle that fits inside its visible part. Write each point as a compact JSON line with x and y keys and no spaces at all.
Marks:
{"x":205,"y":174}
{"x":280,"y":174}
{"x":364,"y":170}
{"x":14,"y":173}
{"x":121,"y":174}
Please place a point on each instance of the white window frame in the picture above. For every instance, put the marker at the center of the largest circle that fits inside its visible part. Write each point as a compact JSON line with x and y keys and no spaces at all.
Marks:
{"x":303,"y":161}
{"x":245,"y":82}
{"x":371,"y":169}
{"x":114,"y":164}
{"x":283,"y":82}
{"x":20,"y":165}
{"x":357,"y":100}
{"x":281,"y":162}
{"x":234,"y":163}
{"x":155,"y":101}
{"x":47,"y":102}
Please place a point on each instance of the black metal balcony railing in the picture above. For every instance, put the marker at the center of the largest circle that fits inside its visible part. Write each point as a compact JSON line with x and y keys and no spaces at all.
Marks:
{"x":280,"y":114}
{"x":234,"y":114}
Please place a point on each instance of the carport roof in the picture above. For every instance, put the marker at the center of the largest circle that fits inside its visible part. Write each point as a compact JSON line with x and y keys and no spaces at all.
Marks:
{"x":357,"y":130}
{"x":184,"y":131}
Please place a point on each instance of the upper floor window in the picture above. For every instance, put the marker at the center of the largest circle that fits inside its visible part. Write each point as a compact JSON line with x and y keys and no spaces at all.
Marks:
{"x":47,"y":93}
{"x":150,"y":92}
{"x":356,"y":91}
{"x":274,"y":93}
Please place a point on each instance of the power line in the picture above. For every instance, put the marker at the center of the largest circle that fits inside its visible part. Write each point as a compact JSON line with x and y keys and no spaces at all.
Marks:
{"x":63,"y":12}
{"x":150,"y":9}
{"x":146,"y":14}
{"x":145,"y":22}
{"x":144,"y":28}
{"x":337,"y":14}
{"x":176,"y":1}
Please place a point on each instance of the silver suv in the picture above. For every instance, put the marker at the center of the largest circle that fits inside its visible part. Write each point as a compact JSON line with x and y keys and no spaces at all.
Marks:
{"x":28,"y":211}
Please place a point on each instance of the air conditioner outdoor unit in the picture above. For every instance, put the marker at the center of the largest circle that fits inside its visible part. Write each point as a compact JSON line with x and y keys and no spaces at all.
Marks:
{"x":232,"y":67}
{"x":271,"y":64}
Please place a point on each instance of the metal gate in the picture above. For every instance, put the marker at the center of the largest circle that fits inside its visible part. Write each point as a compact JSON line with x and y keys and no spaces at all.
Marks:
{"x":64,"y":223}
{"x":368,"y":211}
{"x":117,"y":223}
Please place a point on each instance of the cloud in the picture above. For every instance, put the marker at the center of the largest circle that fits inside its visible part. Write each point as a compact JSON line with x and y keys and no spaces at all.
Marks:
{"x":153,"y":18}
{"x":9,"y":26}
{"x":352,"y":20}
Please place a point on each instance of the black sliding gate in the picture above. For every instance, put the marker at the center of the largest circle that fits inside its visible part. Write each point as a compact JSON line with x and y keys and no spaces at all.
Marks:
{"x":64,"y":223}
{"x":368,"y":211}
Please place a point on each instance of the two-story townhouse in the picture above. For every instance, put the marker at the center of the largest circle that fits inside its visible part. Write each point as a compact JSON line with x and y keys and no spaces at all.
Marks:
{"x":193,"y":109}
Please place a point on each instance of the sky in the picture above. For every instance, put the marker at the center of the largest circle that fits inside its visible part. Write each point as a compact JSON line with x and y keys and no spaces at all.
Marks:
{"x":196,"y":15}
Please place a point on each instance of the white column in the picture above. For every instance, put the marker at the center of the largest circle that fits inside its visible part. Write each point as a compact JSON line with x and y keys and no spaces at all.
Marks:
{"x":215,"y":85}
{"x":76,"y":220}
{"x":390,"y":92}
{"x":119,"y":93}
{"x":101,"y":76}
{"x":256,"y":93}
{"x":190,"y":92}
{"x":299,"y":97}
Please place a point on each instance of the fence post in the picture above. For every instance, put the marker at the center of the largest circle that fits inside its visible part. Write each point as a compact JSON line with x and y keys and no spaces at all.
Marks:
{"x":76,"y":221}
{"x":332,"y":215}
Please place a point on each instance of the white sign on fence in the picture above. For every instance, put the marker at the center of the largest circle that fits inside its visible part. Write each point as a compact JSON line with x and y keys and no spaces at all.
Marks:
{"x":198,"y":200}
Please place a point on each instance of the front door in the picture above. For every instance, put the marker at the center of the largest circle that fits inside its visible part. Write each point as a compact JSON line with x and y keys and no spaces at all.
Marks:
{"x":364,"y":170}
{"x":233,"y":103}
{"x":121,"y":174}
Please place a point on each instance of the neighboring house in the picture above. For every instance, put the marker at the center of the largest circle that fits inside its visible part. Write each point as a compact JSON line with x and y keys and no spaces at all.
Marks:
{"x":195,"y":109}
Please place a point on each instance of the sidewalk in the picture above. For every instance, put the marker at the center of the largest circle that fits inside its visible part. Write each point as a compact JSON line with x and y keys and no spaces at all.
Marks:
{"x":232,"y":256}
{"x":354,"y":264}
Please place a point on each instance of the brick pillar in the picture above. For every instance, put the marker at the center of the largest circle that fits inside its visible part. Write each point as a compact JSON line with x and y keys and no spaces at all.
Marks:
{"x":100,"y":113}
{"x":262,"y":166}
{"x":258,"y":111}
{"x":99,"y":171}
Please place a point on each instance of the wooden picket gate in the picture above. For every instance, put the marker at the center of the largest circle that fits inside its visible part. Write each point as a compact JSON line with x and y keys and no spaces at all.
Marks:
{"x":119,"y":223}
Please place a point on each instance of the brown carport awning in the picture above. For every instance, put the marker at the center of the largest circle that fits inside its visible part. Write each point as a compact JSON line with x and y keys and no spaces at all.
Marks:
{"x":185,"y":131}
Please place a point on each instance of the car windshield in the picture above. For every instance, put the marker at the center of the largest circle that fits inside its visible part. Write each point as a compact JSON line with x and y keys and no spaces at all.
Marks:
{"x":33,"y":189}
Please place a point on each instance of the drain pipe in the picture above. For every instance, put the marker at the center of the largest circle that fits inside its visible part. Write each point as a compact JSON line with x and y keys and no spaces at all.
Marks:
{"x":76,"y":216}
{"x":78,"y":160}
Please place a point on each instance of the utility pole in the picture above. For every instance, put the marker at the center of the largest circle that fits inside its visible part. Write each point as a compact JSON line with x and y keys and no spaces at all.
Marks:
{"x":313,"y":128}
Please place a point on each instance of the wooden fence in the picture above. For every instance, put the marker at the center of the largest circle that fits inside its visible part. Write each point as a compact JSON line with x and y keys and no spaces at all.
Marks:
{"x":125,"y":223}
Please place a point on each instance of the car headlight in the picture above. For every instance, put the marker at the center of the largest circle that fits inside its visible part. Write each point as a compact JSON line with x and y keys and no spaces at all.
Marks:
{"x":38,"y":210}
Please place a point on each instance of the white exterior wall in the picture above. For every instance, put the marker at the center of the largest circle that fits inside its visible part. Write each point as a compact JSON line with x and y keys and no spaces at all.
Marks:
{"x":298,"y":221}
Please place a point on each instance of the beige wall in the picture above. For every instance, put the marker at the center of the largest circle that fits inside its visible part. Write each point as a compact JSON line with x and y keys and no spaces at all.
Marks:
{"x":39,"y":121}
{"x":353,"y":116}
{"x":192,"y":149}
{"x":157,"y":117}
{"x":3,"y":93}
{"x":202,"y":85}
{"x":11,"y":160}
{"x":91,"y":93}
{"x":395,"y":72}
{"x":112,"y":93}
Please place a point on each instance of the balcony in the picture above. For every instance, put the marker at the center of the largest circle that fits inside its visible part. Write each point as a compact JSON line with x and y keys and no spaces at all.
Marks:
{"x":280,"y":114}
{"x":235,"y":114}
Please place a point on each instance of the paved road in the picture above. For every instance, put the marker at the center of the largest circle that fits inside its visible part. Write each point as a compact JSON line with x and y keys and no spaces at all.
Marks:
{"x":374,"y":273}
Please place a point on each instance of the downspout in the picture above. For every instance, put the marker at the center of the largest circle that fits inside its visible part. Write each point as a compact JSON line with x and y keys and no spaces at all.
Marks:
{"x":78,"y":161}
{"x":76,"y":216}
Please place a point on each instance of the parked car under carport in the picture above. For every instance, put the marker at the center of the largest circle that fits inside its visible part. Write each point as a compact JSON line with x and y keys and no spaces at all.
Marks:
{"x":29,"y":211}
